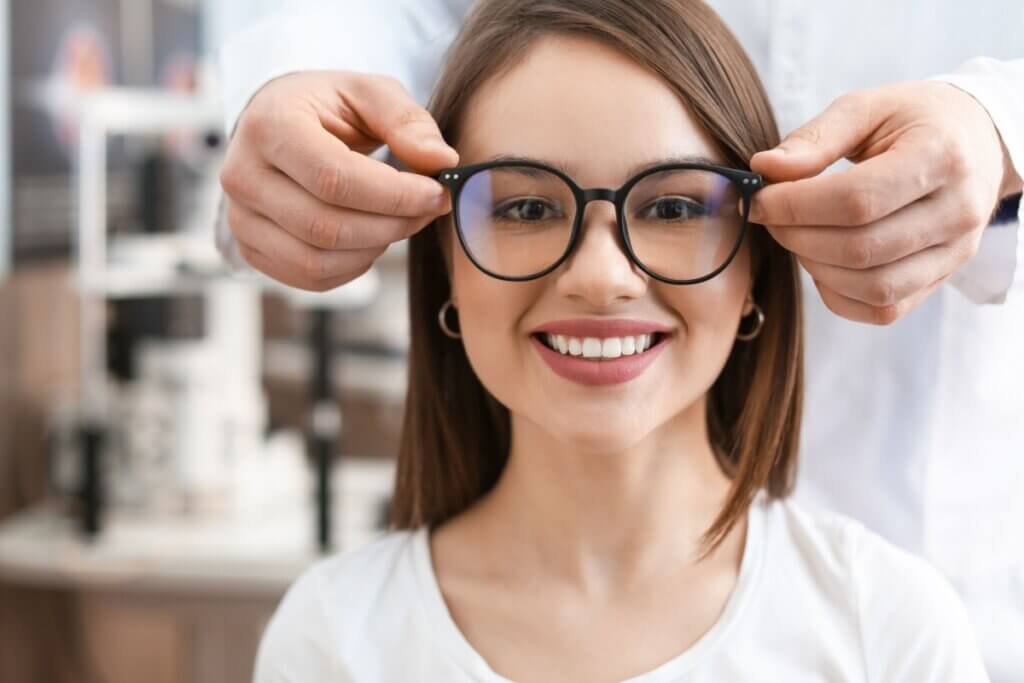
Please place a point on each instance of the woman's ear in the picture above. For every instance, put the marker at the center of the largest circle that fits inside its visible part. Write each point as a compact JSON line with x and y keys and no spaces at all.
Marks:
{"x":748,"y":305}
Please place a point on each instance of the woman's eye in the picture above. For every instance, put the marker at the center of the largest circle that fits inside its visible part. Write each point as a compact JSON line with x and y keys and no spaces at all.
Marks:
{"x":528,"y":210}
{"x":673,"y":209}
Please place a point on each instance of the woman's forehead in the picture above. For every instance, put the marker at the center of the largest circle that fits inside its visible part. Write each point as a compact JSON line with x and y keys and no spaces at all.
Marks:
{"x":585,"y":103}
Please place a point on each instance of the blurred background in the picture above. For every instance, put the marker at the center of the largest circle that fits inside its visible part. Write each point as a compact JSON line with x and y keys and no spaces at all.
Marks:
{"x":176,"y":442}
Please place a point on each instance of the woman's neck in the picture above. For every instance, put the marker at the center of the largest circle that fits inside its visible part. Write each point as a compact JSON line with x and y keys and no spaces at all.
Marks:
{"x":605,"y":521}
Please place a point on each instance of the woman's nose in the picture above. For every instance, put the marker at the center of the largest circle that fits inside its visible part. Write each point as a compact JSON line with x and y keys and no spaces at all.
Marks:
{"x":599,"y":272}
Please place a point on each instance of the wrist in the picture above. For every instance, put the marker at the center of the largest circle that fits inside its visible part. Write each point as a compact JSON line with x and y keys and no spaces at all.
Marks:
{"x":1013,"y":183}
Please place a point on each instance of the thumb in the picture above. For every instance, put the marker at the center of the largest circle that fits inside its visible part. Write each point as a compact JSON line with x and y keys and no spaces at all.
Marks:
{"x":394,"y":117}
{"x":834,"y":134}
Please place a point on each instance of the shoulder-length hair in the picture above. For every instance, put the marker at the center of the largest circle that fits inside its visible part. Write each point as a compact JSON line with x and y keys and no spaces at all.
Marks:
{"x":456,"y":436}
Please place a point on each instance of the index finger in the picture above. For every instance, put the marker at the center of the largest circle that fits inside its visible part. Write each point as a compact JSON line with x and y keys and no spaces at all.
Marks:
{"x":329,"y":170}
{"x":868,"y":192}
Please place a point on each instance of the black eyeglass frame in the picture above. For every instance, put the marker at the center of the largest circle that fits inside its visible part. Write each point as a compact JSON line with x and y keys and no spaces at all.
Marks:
{"x":747,"y":182}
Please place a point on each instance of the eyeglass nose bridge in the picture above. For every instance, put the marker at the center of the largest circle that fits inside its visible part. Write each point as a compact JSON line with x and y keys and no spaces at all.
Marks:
{"x":598,"y":194}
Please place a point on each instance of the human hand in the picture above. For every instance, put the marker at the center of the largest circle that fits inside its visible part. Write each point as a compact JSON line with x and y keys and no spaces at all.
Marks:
{"x":306,"y":205}
{"x":880,"y":237}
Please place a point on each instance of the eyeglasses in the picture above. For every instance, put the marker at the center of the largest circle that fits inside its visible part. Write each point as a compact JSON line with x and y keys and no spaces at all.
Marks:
{"x":679,"y":223}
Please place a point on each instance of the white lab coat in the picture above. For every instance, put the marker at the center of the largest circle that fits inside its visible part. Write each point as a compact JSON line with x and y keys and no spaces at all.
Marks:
{"x":917,"y":429}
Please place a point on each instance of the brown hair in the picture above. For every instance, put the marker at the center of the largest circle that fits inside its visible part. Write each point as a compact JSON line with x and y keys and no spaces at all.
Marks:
{"x":456,"y":436}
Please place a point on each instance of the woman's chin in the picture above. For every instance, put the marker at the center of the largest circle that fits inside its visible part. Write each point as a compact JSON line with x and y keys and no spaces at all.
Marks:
{"x":606,"y":436}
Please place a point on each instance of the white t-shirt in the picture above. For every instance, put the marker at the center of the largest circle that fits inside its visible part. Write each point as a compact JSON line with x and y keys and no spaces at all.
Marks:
{"x":818,"y":598}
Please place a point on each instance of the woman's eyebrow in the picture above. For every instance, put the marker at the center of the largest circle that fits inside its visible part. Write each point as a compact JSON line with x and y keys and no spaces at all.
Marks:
{"x":570,"y":169}
{"x":562,"y":166}
{"x":677,"y":159}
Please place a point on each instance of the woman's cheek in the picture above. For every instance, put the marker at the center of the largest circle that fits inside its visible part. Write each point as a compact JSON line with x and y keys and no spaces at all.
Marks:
{"x":711,"y":311}
{"x":487,"y":312}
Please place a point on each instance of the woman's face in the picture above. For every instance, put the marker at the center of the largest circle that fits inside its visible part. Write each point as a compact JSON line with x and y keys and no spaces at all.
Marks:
{"x":577,"y":104}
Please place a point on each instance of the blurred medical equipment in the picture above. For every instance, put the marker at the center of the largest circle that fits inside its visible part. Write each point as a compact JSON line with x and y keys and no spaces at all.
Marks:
{"x":175,"y":424}
{"x":192,"y":479}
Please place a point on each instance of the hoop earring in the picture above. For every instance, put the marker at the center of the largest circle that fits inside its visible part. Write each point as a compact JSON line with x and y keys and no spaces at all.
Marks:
{"x":442,"y":320}
{"x":753,"y":334}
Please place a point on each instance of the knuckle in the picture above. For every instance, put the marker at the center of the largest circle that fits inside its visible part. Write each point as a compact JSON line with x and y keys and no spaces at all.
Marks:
{"x":331,"y":182}
{"x":408,"y":228}
{"x":368,"y":84}
{"x":256,"y":123}
{"x":810,"y":133}
{"x":320,"y":286}
{"x":398,"y":197}
{"x":886,"y":315}
{"x":935,"y":145}
{"x":849,"y":102}
{"x":782,"y":208}
{"x":954,"y":159}
{"x":323,"y":232}
{"x":390,"y":81}
{"x":861,"y":252}
{"x":788,"y":210}
{"x":232,"y":180}
{"x":314,"y":267}
{"x":920,"y":180}
{"x":853,"y":106}
{"x":412,"y":116}
{"x":860,"y":205}
{"x":972,"y":214}
{"x":343,"y":79}
{"x":883,"y":291}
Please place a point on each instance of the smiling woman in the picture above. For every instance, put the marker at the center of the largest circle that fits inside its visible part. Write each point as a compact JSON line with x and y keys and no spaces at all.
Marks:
{"x":605,"y":395}
{"x":533,"y":79}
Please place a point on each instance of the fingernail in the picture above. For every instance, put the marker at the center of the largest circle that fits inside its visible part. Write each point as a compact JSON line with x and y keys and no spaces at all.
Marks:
{"x":755,"y":215}
{"x":443,"y":202}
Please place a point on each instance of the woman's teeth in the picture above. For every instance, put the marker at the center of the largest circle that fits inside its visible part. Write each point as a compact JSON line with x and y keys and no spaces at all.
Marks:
{"x":591,"y":347}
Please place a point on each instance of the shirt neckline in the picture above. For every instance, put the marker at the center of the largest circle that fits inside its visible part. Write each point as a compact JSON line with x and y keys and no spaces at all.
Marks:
{"x":457,"y":647}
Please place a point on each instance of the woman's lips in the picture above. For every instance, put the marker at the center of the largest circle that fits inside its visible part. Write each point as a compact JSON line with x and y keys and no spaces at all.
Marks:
{"x":599,"y":371}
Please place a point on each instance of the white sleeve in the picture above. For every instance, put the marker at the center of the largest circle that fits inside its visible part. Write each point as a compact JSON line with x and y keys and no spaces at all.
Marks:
{"x":999,"y":87}
{"x":914,"y":627}
{"x":405,"y":39}
{"x":298,"y":643}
